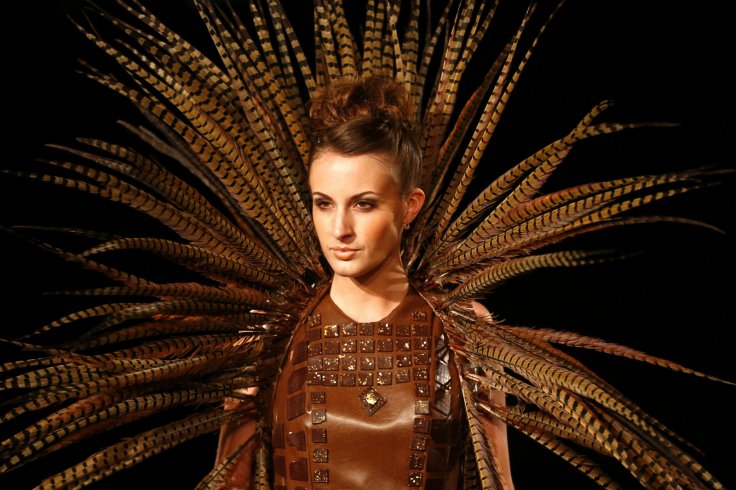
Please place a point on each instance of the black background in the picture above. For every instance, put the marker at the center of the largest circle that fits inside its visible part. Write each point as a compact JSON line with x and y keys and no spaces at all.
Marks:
{"x":655,"y":60}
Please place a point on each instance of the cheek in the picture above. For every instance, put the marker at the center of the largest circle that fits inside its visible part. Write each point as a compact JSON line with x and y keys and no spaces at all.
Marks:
{"x":384,"y":232}
{"x":319,"y":226}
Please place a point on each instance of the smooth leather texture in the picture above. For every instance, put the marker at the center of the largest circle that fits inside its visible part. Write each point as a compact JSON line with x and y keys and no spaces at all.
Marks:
{"x":407,"y":432}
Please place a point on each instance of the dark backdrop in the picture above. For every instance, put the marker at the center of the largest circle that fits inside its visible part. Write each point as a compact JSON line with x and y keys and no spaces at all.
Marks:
{"x":658,"y":62}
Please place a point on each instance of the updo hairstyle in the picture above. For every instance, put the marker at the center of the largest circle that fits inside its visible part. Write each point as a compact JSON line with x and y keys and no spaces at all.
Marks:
{"x":371,"y":115}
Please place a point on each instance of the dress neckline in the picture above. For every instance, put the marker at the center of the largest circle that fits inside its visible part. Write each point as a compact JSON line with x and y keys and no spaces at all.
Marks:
{"x":409,"y":293}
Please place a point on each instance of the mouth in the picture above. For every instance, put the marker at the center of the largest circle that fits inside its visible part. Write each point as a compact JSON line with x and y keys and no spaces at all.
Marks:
{"x":342,"y":253}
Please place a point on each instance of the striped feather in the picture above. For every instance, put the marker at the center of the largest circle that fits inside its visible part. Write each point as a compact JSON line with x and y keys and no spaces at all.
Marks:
{"x":127,"y":453}
{"x":545,"y":434}
{"x":225,"y":170}
{"x":56,"y":432}
{"x":488,"y":472}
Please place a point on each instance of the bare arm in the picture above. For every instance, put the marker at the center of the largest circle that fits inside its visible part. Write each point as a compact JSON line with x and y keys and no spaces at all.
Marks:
{"x":232,"y":435}
{"x":496,"y":429}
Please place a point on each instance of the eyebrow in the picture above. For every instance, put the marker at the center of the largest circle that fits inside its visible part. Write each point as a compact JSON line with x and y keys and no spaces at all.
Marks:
{"x":356,"y":196}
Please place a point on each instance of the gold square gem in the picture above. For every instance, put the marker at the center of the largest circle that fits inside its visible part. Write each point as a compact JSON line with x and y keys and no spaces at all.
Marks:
{"x":319,"y":415}
{"x":320,"y":455}
{"x":421,"y":407}
{"x":321,"y":476}
{"x":372,"y":400}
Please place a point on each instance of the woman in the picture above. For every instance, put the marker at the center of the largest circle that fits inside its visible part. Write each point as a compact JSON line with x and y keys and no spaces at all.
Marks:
{"x":368,"y":395}
{"x":381,"y":400}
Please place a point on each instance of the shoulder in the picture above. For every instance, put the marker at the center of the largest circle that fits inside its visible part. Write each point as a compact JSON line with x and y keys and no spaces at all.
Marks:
{"x":480,"y":310}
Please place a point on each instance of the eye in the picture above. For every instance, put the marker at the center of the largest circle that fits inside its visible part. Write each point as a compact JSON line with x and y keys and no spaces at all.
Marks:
{"x":321,"y":203}
{"x":365,"y":204}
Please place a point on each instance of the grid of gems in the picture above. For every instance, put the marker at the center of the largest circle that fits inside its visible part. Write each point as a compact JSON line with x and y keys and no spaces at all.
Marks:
{"x":368,"y":354}
{"x":371,"y":356}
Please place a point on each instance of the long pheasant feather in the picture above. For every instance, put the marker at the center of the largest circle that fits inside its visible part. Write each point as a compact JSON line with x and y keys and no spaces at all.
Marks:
{"x":224,"y":172}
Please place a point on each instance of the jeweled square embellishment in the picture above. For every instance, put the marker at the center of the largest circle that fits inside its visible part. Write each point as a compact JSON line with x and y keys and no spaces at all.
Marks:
{"x":366,"y":329}
{"x":348,"y":363}
{"x":365,"y":379}
{"x":403,"y":360}
{"x":421,"y":373}
{"x":314,"y":320}
{"x":349,"y":329}
{"x":319,"y":415}
{"x":421,"y":425}
{"x":421,"y":343}
{"x":347,"y":379}
{"x":420,"y":330}
{"x":349,"y":345}
{"x":416,"y":461}
{"x":372,"y":400}
{"x":330,"y":363}
{"x":418,"y":443}
{"x":403,"y":330}
{"x":367,"y":364}
{"x":421,"y":389}
{"x":385,"y":329}
{"x":314,"y":349}
{"x":366,"y":345}
{"x":421,"y":407}
{"x":330,"y":331}
{"x":421,"y":358}
{"x":317,"y":396}
{"x":315,"y":364}
{"x":385,"y":362}
{"x":415,"y":478}
{"x":321,"y":475}
{"x":329,"y":379}
{"x":402,"y":376}
{"x":403,"y":345}
{"x":384,"y":378}
{"x":320,"y":455}
{"x":385,"y":345}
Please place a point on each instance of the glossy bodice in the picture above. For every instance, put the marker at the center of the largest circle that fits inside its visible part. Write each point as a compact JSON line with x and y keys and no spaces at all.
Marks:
{"x":368,"y":405}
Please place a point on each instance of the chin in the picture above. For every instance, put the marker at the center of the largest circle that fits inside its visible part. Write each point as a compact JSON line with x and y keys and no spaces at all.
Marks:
{"x":345,"y":270}
{"x":350,"y":269}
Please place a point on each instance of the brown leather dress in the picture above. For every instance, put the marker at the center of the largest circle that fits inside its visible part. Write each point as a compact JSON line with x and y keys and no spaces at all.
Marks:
{"x":368,"y":405}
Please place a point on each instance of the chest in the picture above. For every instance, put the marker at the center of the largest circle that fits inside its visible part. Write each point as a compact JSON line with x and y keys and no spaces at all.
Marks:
{"x":363,"y":405}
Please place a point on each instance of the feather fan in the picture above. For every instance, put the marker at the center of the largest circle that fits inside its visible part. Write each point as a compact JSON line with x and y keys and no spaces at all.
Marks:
{"x":217,"y":168}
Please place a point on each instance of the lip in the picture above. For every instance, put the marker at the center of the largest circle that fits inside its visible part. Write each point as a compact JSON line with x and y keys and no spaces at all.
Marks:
{"x":343,"y":253}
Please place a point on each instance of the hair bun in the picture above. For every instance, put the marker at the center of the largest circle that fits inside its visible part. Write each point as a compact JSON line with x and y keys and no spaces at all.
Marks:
{"x":377,"y":98}
{"x":372,"y":115}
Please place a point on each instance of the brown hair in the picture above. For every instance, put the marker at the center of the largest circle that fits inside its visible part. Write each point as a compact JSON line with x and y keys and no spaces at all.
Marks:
{"x":368,"y":115}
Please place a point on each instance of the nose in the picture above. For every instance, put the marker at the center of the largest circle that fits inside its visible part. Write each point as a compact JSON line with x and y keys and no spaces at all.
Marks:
{"x":342,"y":227}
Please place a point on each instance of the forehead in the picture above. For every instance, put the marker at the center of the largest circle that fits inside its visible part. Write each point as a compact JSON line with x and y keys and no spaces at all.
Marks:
{"x":335,"y":171}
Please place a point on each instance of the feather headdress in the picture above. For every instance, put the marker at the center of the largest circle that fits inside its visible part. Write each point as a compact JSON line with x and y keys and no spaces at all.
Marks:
{"x":221,"y":172}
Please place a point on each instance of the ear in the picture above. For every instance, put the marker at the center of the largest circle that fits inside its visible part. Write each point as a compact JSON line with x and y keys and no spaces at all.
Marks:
{"x":413,"y":202}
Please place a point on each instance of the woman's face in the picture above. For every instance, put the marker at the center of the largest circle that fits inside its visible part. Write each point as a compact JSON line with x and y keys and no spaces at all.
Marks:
{"x":359,"y":213}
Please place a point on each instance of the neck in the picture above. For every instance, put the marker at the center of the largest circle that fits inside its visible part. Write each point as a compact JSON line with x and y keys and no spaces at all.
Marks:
{"x":370,"y":298}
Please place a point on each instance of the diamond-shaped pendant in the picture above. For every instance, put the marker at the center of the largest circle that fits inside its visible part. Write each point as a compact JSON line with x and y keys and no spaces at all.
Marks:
{"x":372,"y":400}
